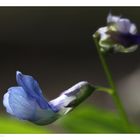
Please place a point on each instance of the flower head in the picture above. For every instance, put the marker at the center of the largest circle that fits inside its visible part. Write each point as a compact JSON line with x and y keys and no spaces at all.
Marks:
{"x":120,"y":35}
{"x":27,"y":102}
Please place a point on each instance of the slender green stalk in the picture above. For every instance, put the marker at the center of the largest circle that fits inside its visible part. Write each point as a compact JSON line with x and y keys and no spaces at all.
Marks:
{"x":104,"y":89}
{"x":114,"y":94}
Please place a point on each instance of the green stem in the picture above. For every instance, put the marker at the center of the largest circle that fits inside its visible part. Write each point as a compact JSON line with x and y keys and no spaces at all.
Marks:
{"x":104,"y":89}
{"x":114,"y":94}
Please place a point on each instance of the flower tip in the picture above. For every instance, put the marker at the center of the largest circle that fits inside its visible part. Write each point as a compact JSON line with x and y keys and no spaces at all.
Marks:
{"x":83,"y":83}
{"x":109,"y":17}
{"x":18,"y":73}
{"x":112,"y":19}
{"x":109,"y":14}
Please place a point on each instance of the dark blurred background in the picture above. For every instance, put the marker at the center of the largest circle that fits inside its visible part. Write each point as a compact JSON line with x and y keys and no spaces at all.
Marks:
{"x":55,"y":46}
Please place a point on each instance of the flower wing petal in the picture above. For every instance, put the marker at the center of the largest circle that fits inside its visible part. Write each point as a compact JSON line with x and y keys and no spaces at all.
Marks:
{"x":123,"y":25}
{"x":21,"y":105}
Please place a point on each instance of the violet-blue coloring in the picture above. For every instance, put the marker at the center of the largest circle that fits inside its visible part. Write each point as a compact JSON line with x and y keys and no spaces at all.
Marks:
{"x":27,"y":102}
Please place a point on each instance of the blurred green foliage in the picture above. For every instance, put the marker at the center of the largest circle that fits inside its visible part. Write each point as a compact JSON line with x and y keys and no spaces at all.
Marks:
{"x":11,"y":125}
{"x":90,"y":119}
{"x":84,"y":119}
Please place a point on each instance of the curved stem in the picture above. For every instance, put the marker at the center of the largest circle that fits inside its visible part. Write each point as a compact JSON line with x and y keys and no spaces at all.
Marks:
{"x":114,"y":94}
{"x":104,"y":89}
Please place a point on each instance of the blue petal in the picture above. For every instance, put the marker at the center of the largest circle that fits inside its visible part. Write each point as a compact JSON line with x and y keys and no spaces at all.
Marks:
{"x":21,"y":105}
{"x":130,"y":39}
{"x":126,"y":40}
{"x":45,"y":116}
{"x":75,"y":89}
{"x":32,"y":88}
{"x":72,"y":97}
{"x":6,"y":103}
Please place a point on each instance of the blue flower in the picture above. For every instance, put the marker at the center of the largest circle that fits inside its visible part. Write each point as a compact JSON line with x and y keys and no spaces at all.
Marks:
{"x":27,"y":102}
{"x":120,"y":35}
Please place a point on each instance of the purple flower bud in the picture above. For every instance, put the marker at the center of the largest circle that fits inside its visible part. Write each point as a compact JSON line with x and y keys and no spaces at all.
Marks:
{"x":120,"y":35}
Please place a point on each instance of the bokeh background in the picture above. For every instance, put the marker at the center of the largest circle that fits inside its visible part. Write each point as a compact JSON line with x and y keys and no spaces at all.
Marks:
{"x":55,"y":46}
